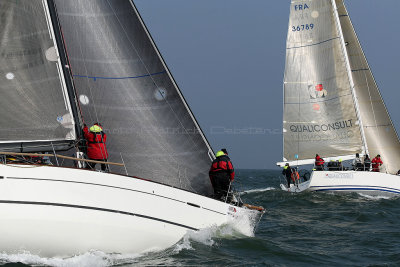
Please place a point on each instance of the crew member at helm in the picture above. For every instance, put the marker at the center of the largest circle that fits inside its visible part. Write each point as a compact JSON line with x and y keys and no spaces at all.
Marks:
{"x":221,"y":174}
{"x":96,"y":145}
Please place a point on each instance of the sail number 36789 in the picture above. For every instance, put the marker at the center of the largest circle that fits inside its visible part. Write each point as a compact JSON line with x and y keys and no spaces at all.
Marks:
{"x":304,"y":27}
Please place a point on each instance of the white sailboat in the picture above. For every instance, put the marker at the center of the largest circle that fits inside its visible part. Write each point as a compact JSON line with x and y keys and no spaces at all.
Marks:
{"x":332,"y":105}
{"x":64,"y":62}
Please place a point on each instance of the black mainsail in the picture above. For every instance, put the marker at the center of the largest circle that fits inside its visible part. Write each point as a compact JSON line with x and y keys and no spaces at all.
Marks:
{"x":123,"y":83}
{"x":36,"y":113}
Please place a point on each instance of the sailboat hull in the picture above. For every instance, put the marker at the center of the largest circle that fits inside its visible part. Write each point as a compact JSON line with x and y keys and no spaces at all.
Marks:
{"x":369,"y":183}
{"x":52,"y":211}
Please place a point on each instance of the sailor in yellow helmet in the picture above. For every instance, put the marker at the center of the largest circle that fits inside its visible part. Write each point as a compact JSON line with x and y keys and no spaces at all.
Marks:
{"x":287,"y":171}
{"x":221,"y":174}
{"x":96,"y":145}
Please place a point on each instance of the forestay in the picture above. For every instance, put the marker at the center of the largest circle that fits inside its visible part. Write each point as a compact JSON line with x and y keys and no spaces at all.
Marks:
{"x":380,"y":134}
{"x":34,"y":104}
{"x":123,"y":83}
{"x":319,"y":112}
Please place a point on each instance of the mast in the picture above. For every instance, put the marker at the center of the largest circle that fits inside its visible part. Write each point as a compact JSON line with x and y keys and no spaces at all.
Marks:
{"x":350,"y":76}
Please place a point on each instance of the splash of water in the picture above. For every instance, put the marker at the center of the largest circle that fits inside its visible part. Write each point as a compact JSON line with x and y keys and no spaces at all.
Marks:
{"x":91,"y":258}
{"x":239,"y":226}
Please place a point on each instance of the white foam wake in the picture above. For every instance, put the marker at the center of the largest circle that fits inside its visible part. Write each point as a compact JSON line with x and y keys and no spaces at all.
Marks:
{"x":89,"y":259}
{"x":257,"y":190}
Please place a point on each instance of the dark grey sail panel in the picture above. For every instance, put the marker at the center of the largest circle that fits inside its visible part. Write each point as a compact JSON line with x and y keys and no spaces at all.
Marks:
{"x":380,"y":134}
{"x":319,"y":113}
{"x":122,"y":83}
{"x":34,"y":105}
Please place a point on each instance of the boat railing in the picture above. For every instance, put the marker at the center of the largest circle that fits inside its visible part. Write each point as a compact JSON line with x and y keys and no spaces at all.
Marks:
{"x":58,"y":156}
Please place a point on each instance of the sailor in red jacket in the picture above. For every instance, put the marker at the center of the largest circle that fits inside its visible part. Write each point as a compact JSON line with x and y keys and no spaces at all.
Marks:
{"x":376,"y":162}
{"x":96,"y":145}
{"x":221,"y":174}
{"x":319,"y":163}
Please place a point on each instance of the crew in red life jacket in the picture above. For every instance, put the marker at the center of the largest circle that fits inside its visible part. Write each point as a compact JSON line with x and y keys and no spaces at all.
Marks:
{"x":376,"y":162}
{"x":221,"y":174}
{"x":319,"y":163}
{"x":96,"y":145}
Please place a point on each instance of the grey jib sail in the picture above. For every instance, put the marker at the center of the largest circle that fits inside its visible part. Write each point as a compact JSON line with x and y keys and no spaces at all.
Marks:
{"x":380,"y":135}
{"x":319,"y":114}
{"x":123,"y":83}
{"x":34,"y":104}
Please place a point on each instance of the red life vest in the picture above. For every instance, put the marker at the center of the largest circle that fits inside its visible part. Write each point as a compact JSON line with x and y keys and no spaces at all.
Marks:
{"x":222,"y":165}
{"x":295,"y":176}
{"x":96,"y":144}
{"x":319,"y":161}
{"x":376,"y":162}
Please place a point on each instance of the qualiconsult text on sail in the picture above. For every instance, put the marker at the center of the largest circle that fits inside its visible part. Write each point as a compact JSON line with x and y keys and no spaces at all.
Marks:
{"x":310,"y":128}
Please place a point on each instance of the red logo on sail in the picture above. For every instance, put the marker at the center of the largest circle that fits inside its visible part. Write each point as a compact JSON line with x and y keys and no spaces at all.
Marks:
{"x":317,"y":91}
{"x":316,"y":107}
{"x":319,"y":87}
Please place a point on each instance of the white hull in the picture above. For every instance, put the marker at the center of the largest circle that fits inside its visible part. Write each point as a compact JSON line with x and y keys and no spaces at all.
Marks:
{"x":54,"y":211}
{"x":369,"y":183}
{"x":296,"y":188}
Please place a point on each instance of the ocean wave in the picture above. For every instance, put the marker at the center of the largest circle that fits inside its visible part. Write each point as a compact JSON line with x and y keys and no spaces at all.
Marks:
{"x":374,"y":197}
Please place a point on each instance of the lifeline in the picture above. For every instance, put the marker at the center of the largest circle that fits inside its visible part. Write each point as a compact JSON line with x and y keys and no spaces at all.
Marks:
{"x":321,"y":127}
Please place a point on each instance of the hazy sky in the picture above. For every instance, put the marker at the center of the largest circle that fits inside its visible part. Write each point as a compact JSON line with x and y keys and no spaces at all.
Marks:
{"x":228,"y":58}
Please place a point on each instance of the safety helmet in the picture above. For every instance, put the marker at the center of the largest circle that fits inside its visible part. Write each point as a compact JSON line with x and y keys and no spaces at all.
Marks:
{"x":219,"y":154}
{"x":95,"y":129}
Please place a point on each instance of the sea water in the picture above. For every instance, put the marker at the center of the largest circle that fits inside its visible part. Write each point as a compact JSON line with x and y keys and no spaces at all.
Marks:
{"x":297,"y":230}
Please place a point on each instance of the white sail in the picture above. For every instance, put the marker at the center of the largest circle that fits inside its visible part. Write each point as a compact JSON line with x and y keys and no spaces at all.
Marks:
{"x":319,"y":111}
{"x":380,"y":135}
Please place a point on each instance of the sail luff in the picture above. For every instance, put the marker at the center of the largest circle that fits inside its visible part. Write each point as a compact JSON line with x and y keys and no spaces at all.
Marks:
{"x":211,"y":152}
{"x":350,"y":76}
